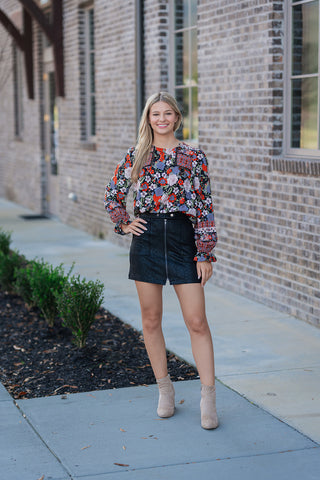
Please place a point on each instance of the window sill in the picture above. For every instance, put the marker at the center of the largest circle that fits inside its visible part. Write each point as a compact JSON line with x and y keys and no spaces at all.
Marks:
{"x":296,"y":166}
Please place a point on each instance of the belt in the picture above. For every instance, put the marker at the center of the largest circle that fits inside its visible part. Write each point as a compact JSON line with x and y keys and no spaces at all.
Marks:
{"x":162,"y":215}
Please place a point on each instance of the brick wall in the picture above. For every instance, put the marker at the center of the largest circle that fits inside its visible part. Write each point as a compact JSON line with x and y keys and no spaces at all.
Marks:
{"x":268,"y":222}
{"x":18,"y":156}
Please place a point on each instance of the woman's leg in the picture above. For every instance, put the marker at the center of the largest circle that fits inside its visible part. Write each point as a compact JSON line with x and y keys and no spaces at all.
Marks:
{"x":191,"y":297}
{"x":192,"y":302}
{"x":150,"y":297}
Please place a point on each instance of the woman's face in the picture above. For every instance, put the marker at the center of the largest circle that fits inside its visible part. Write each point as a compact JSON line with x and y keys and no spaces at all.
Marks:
{"x":162,"y":118}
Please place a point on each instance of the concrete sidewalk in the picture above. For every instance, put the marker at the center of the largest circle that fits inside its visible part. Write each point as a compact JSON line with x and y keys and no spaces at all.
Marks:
{"x":268,"y":357}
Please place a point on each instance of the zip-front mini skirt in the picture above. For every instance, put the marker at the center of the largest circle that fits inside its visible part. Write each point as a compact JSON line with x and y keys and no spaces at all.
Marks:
{"x":164,"y":251}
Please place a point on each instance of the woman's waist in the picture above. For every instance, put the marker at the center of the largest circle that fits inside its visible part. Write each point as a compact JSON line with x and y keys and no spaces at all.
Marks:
{"x":167,"y":215}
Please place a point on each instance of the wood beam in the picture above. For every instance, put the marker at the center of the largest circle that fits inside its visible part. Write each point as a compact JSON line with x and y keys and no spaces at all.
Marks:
{"x":54,"y":32}
{"x":38,"y":15}
{"x":11,"y":29}
{"x":25,"y":43}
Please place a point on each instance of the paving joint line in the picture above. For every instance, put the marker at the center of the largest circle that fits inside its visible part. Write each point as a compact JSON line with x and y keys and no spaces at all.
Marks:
{"x":24,"y":415}
{"x":317,"y":365}
{"x":195,"y":462}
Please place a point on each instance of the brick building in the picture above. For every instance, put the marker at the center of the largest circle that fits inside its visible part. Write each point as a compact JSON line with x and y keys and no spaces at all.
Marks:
{"x":247,"y":76}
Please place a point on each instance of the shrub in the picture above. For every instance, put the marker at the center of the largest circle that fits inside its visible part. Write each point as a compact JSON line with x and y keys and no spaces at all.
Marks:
{"x":46,"y":282}
{"x":8,"y":263}
{"x":5,"y":240}
{"x":78,"y":304}
{"x":22,"y":285}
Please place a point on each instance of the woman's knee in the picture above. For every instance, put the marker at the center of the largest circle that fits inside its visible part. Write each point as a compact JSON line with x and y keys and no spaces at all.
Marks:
{"x":151,"y":320}
{"x":198,"y":325}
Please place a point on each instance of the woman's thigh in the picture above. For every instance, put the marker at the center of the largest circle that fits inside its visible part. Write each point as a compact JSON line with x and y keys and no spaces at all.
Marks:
{"x":192,"y":302}
{"x":150,"y":297}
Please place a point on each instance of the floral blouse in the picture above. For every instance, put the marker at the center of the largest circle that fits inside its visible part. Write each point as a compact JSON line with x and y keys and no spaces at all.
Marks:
{"x":171,"y":181}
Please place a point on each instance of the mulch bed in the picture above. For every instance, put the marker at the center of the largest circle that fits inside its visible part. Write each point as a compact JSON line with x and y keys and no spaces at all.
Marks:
{"x":38,"y":361}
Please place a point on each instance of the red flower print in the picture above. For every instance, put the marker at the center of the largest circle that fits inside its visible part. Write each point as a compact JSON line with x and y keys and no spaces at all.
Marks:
{"x":163,"y":181}
{"x":172,"y":197}
{"x":182,"y":200}
{"x":144,"y":186}
{"x":120,"y":196}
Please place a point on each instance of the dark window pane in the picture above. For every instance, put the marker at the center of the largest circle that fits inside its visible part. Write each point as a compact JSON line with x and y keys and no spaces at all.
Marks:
{"x":91,"y":29}
{"x":182,"y":58}
{"x":181,"y":14}
{"x":305,"y":21}
{"x":304,"y":115}
{"x":93,"y":116}
{"x":92,"y":73}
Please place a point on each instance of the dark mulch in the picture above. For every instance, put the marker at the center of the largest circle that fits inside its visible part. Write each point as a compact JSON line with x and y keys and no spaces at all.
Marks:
{"x":37,"y":361}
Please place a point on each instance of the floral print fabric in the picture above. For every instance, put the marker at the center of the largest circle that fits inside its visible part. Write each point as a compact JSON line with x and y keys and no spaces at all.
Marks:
{"x":171,"y":181}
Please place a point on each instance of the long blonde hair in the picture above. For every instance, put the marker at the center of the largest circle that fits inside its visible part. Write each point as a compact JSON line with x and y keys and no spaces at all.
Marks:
{"x":145,"y":136}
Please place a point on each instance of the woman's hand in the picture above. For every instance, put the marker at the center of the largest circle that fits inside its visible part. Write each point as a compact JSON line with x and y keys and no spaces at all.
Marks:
{"x":136,"y":227}
{"x":204,"y":270}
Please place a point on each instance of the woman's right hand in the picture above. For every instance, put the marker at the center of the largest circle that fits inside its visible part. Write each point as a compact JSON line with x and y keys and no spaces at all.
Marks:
{"x":136,"y":227}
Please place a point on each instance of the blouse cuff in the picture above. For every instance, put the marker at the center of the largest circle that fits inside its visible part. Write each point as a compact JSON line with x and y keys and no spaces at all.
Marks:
{"x":205,"y":257}
{"x":118,"y":228}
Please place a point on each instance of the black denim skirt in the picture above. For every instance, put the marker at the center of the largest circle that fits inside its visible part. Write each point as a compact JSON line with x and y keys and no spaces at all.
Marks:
{"x":164,"y":251}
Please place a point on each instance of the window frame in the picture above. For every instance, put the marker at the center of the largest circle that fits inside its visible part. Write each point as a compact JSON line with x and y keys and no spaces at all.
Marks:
{"x":290,"y":152}
{"x":86,"y":134}
{"x":172,"y":65}
{"x":18,"y":92}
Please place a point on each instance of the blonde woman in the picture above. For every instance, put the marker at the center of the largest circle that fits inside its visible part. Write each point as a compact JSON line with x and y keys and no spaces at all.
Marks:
{"x":173,"y":234}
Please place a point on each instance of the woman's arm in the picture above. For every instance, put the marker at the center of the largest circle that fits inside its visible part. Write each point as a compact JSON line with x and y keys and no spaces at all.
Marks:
{"x":116,"y":193}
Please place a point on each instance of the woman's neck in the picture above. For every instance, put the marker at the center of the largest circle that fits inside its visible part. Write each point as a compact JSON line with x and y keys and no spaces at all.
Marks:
{"x":163,"y":141}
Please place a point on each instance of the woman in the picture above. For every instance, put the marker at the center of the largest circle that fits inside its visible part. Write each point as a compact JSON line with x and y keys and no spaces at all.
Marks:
{"x":173,"y":234}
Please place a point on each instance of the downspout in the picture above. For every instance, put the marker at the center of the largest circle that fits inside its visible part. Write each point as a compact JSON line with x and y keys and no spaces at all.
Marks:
{"x":139,"y":59}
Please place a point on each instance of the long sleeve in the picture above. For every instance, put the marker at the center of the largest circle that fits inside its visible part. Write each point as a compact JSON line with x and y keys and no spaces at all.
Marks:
{"x":205,"y":230}
{"x":116,"y":192}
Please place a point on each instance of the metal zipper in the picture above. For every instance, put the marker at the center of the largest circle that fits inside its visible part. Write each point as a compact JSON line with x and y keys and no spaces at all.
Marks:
{"x":165,"y":246}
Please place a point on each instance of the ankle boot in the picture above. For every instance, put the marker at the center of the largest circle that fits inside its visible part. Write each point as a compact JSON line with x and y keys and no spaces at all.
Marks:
{"x":209,"y":417}
{"x":166,"y":397}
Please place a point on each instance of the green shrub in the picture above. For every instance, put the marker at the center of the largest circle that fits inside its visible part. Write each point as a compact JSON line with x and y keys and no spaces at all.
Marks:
{"x":5,"y":240}
{"x":78,"y":304}
{"x":46,"y":282}
{"x":22,"y":285}
{"x":8,"y":263}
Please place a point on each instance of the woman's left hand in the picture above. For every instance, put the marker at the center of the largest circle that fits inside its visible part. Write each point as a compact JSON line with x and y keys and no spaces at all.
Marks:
{"x":204,"y":270}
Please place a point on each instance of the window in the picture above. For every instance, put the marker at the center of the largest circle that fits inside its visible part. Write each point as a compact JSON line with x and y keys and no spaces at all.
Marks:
{"x":184,"y":68}
{"x":17,"y":91}
{"x":87,"y":75}
{"x":304,"y":74}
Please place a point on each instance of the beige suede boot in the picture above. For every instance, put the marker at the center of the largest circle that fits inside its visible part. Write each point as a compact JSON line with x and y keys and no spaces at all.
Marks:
{"x":166,"y":397}
{"x":209,"y":417}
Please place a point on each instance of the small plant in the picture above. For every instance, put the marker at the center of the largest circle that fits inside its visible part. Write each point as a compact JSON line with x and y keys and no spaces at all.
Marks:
{"x":22,"y":285}
{"x":5,"y":240}
{"x":78,"y":304}
{"x":8,"y":263}
{"x":46,"y":282}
